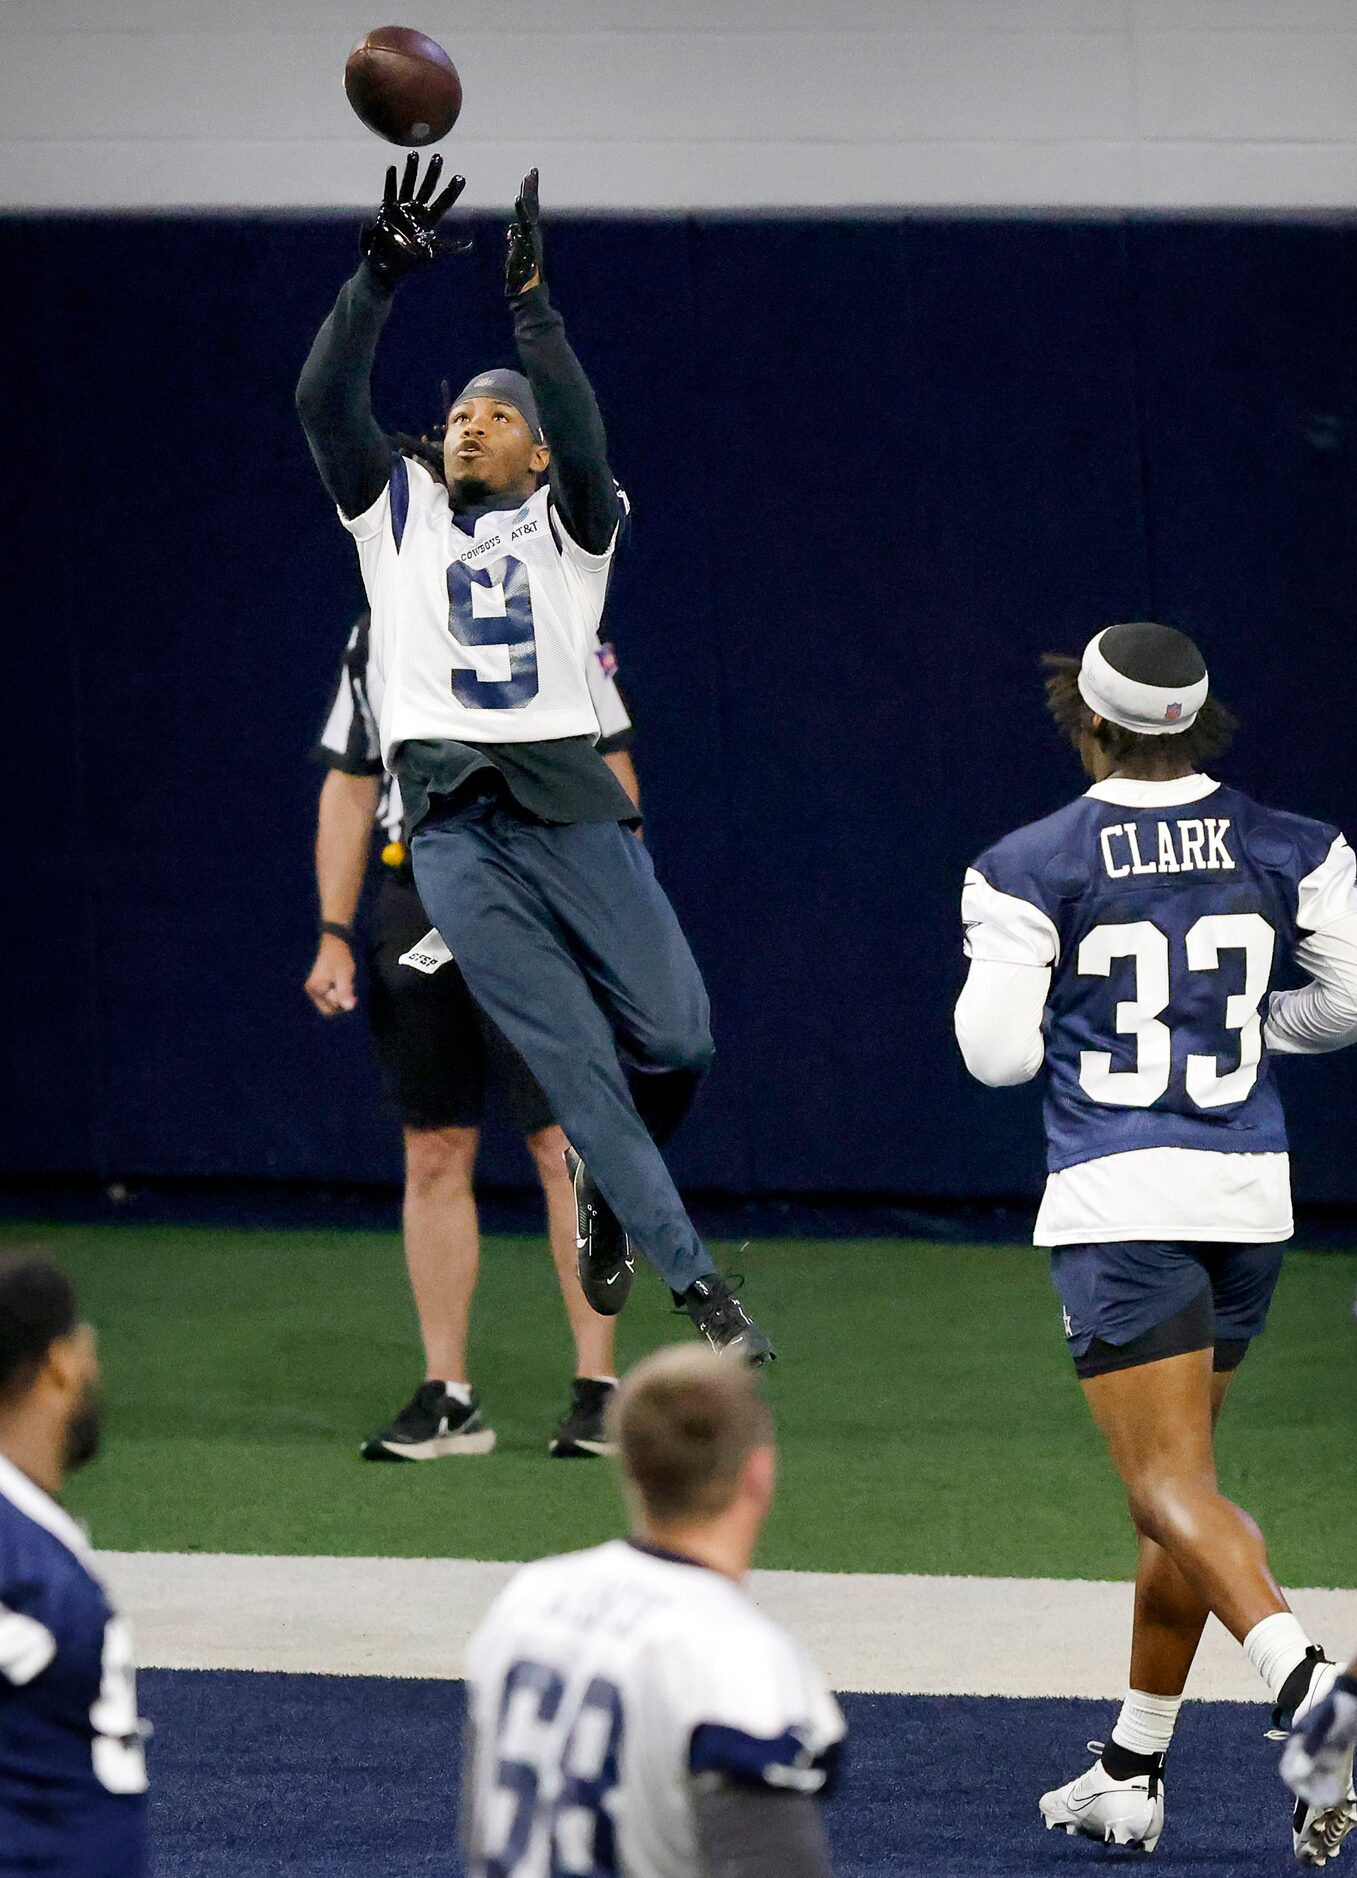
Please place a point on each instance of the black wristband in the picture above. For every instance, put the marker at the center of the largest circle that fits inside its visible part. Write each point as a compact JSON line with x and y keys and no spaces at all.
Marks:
{"x":337,"y":930}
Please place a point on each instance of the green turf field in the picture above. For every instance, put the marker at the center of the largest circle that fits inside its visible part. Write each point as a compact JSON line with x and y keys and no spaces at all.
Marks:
{"x":929,"y":1417}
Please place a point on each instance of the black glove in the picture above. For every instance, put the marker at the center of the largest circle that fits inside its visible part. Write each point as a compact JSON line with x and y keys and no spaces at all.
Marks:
{"x":403,"y":236}
{"x":523,"y":257}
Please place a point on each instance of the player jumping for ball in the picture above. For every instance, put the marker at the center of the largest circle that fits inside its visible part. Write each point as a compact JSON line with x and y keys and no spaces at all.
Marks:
{"x":486,"y":564}
{"x":1132,"y":940}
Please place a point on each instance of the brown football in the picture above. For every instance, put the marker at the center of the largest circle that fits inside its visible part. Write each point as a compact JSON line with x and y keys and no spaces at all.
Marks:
{"x":403,"y":86}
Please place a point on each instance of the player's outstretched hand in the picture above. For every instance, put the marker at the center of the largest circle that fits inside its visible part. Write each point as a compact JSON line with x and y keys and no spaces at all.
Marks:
{"x":1315,"y":1760}
{"x":523,"y":259}
{"x":329,"y":984}
{"x":403,"y":235}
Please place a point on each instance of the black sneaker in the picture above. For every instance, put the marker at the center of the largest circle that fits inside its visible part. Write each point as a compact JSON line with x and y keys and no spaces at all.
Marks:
{"x":582,"y":1433}
{"x":724,"y":1322}
{"x":432,"y":1425}
{"x":604,"y":1258}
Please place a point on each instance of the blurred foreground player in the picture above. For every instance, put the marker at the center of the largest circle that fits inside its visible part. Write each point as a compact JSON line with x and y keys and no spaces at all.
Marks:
{"x":1317,"y":1760}
{"x":629,"y":1709}
{"x":72,"y":1764}
{"x":1132,"y":941}
{"x":486,"y":565}
{"x":437,"y":1050}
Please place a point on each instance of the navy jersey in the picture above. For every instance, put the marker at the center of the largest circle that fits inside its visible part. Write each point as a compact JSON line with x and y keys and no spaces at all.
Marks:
{"x":72,"y":1763}
{"x":1166,"y":913}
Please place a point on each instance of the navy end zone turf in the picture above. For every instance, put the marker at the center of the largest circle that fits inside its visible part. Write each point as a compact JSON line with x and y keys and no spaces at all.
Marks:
{"x":356,"y":1777}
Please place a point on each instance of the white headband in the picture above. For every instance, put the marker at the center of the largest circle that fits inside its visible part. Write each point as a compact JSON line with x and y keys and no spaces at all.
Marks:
{"x":1150,"y":710}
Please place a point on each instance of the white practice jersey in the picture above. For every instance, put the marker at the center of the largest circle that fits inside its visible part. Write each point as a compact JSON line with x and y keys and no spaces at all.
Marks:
{"x":476,"y":638}
{"x":602,"y":1686}
{"x":351,"y":741}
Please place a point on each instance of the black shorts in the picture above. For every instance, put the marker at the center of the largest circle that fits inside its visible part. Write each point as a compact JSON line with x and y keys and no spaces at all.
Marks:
{"x":1140,"y":1300}
{"x":435,"y":1044}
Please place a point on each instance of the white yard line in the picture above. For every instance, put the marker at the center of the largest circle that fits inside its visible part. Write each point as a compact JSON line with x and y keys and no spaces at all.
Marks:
{"x":876,"y":1632}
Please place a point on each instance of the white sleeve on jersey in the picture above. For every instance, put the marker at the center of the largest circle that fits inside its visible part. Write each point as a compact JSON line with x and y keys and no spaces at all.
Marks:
{"x":998,"y":1021}
{"x":751,"y":1707}
{"x":613,"y":717}
{"x":26,"y":1647}
{"x":1329,"y":893}
{"x":1001,"y":927}
{"x":374,"y":540}
{"x":1012,"y":946}
{"x":371,"y":522}
{"x":374,"y":531}
{"x":591,"y":563}
{"x":1322,"y":1015}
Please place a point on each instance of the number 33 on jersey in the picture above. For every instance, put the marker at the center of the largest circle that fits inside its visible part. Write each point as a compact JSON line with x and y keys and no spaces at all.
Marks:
{"x":1164,"y":913}
{"x":477,"y":637}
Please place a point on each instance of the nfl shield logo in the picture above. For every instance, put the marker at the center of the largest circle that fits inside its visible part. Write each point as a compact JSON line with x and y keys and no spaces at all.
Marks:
{"x":607,"y":658}
{"x":1173,"y":713}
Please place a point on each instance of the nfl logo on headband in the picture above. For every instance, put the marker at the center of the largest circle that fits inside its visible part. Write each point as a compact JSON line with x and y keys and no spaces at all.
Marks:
{"x":1148,"y":678}
{"x":509,"y":388}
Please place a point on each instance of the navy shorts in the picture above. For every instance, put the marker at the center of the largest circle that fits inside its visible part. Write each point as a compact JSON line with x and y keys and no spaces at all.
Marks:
{"x":1137,"y":1301}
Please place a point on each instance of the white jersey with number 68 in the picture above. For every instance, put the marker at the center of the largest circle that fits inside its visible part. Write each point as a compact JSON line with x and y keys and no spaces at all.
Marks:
{"x":477,"y":637}
{"x":602,"y":1687}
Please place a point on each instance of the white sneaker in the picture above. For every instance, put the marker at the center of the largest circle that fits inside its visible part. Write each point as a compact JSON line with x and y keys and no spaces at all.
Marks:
{"x":1317,"y":1832}
{"x":1119,"y":1812}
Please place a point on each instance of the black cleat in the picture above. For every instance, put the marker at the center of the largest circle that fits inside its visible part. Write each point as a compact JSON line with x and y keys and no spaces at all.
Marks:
{"x":431,"y":1426}
{"x":724,"y":1322}
{"x":604,"y":1258}
{"x":584,"y":1431}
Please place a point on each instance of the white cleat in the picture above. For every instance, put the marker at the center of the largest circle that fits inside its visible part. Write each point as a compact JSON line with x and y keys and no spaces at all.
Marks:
{"x":1318,"y":1830}
{"x":1118,"y":1812}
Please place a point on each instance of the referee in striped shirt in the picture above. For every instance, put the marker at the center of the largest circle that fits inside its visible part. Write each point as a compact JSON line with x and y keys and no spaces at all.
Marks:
{"x":436,"y":1050}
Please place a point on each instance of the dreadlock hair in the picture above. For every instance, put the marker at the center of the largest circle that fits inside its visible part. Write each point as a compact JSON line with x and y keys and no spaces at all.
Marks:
{"x":1133,"y":753}
{"x":427,"y":449}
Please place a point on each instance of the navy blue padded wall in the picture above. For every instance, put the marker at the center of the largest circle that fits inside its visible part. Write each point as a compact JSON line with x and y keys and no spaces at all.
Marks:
{"x":877,"y":468}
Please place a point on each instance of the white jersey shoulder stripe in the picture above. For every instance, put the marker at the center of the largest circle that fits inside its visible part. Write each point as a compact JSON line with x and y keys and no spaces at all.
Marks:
{"x":1328,"y":893}
{"x":26,"y":1647}
{"x":1003,"y":928}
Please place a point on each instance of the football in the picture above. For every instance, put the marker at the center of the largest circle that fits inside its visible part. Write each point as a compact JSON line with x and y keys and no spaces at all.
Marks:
{"x":403,"y":86}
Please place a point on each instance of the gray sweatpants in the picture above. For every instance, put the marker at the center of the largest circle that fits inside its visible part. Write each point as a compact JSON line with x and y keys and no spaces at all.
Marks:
{"x":569,"y":944}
